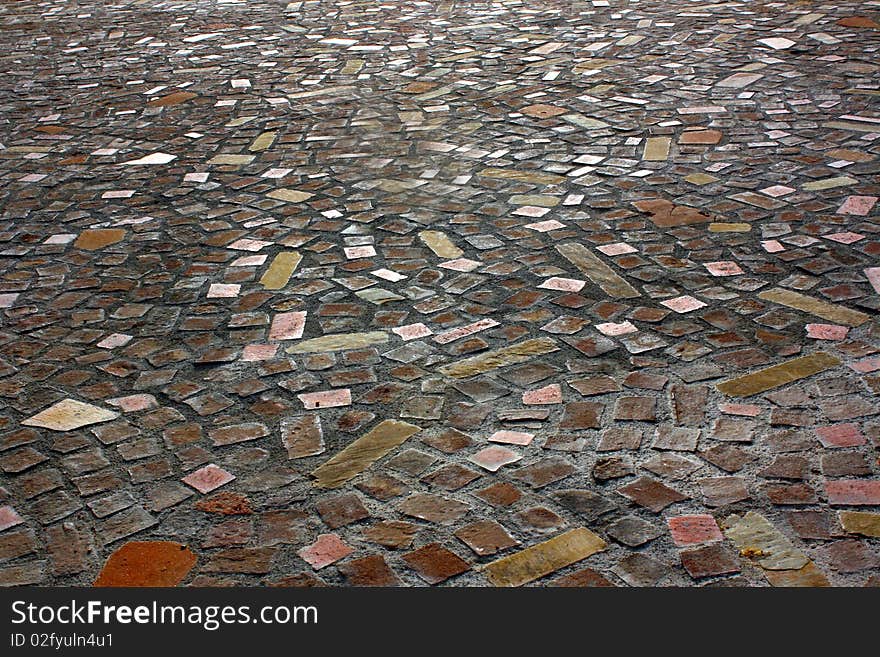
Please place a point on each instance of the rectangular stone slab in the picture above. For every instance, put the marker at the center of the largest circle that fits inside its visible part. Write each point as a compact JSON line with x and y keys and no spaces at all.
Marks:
{"x":817,"y":307}
{"x":492,"y":360}
{"x":597,"y":271}
{"x":778,"y":375}
{"x":279,"y":272}
{"x":363,"y":452}
{"x":656,"y":149}
{"x":756,"y":538}
{"x":535,"y":177}
{"x":544,"y":558}
{"x":339,"y":342}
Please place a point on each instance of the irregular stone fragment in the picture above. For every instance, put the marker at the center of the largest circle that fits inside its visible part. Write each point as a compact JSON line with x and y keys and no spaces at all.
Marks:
{"x":492,"y":360}
{"x":861,"y":522}
{"x":759,"y":540}
{"x":70,"y":414}
{"x":363,"y":452}
{"x":147,"y":563}
{"x":545,"y":558}
{"x":94,"y":239}
{"x":440,"y":244}
{"x":302,"y":436}
{"x":279,"y":272}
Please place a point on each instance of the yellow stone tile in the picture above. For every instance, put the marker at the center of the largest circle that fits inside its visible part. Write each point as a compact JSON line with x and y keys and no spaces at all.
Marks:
{"x":829,"y":183}
{"x":536,"y":177}
{"x":289,"y":195}
{"x":808,"y":576}
{"x":492,"y":360}
{"x":70,"y":414}
{"x":540,"y":200}
{"x":339,"y":342}
{"x":656,"y":149}
{"x":362,"y":453}
{"x":700,"y":179}
{"x":721,"y":227}
{"x":758,"y":540}
{"x":279,"y":272}
{"x":352,"y":67}
{"x":231,"y":158}
{"x":597,"y":271}
{"x":832,"y":312}
{"x":262,"y":142}
{"x":544,"y":558}
{"x":861,"y":522}
{"x":440,"y":244}
{"x":778,"y":375}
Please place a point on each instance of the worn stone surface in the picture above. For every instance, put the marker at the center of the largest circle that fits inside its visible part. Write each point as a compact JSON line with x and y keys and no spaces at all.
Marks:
{"x":147,"y":563}
{"x":544,"y":558}
{"x":616,"y":263}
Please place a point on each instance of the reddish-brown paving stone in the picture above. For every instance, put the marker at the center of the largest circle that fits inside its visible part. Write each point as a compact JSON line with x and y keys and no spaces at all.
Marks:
{"x":139,"y":563}
{"x":435,"y":564}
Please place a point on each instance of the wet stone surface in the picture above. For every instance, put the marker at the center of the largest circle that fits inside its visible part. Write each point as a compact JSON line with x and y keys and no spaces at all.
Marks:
{"x":439,"y":293}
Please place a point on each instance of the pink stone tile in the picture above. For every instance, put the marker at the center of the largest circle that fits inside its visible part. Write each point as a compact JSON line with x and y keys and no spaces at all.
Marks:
{"x":748,"y":410}
{"x":257,"y":352}
{"x":856,"y":492}
{"x":690,"y":530}
{"x":845,"y":434}
{"x":512,"y":437}
{"x":723,"y":268}
{"x":618,"y":248}
{"x":9,"y":518}
{"x":610,"y":328}
{"x":551,"y":394}
{"x":208,"y":478}
{"x":412,"y":331}
{"x":327,"y":549}
{"x":462,"y":331}
{"x":6,"y":300}
{"x":563,"y":284}
{"x":866,"y":365}
{"x":492,"y":458}
{"x":826,"y":331}
{"x":249,"y":261}
{"x":326,"y":398}
{"x":246,"y":244}
{"x":777,"y":190}
{"x":873,"y":274}
{"x":134,"y":403}
{"x":355,"y":252}
{"x":844,"y":238}
{"x":683,"y":304}
{"x":114,"y":340}
{"x":223,"y":290}
{"x":288,"y":326}
{"x":460,"y":264}
{"x":772,"y":246}
{"x":545,"y":226}
{"x":857,"y":205}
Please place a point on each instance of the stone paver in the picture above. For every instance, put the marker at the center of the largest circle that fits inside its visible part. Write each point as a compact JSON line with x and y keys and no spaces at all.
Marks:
{"x":439,"y":293}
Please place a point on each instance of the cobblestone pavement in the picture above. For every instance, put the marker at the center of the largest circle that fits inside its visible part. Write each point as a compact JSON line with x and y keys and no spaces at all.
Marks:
{"x":440,"y":293}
